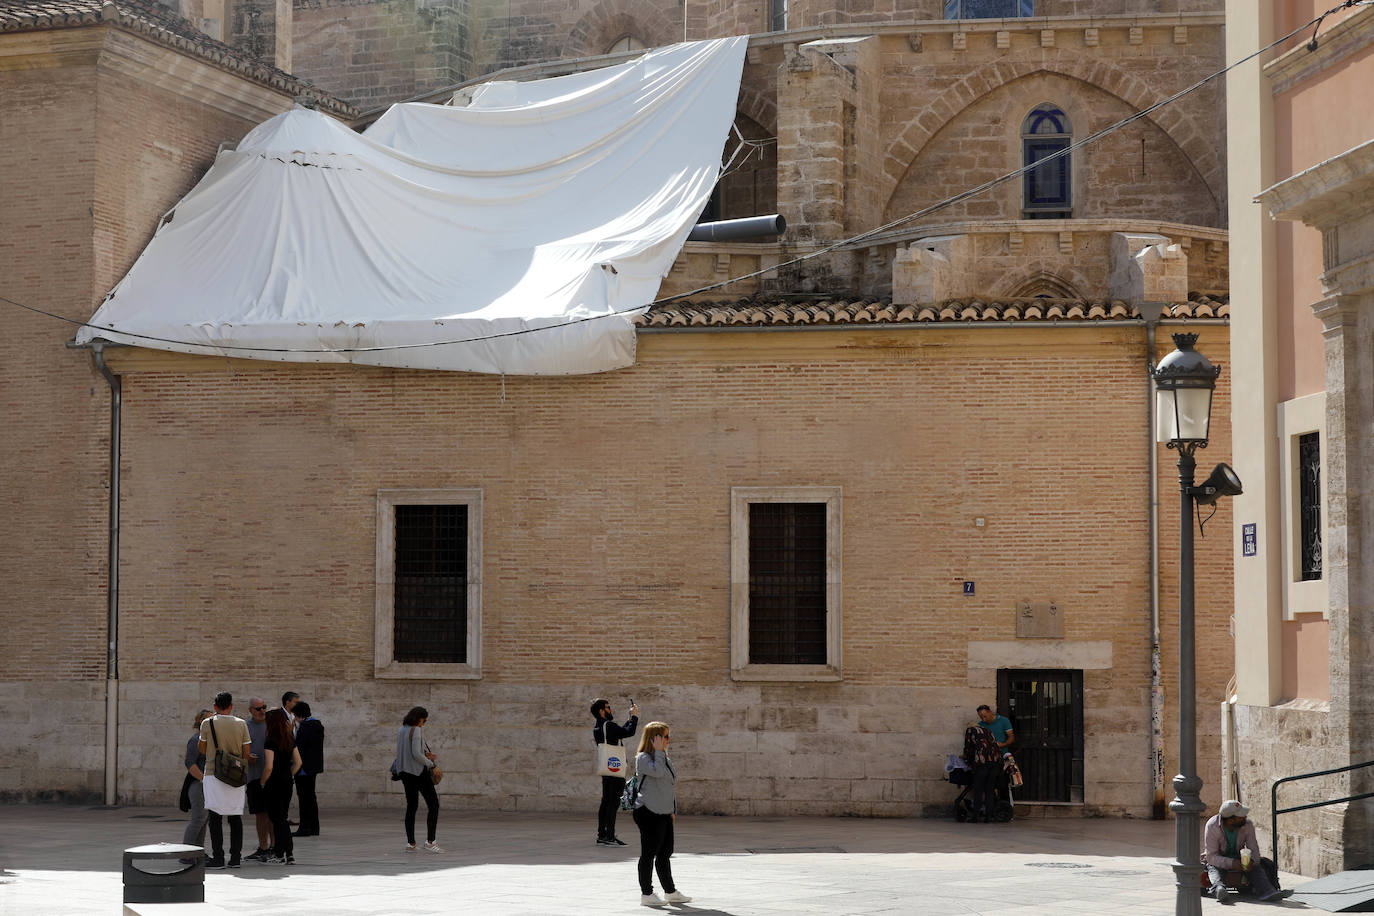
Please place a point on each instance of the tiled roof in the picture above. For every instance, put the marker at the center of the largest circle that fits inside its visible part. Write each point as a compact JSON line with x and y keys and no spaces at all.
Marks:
{"x":820,"y":311}
{"x":160,"y":24}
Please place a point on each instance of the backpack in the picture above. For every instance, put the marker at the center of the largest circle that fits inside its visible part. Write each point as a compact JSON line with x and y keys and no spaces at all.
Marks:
{"x":630,"y":797}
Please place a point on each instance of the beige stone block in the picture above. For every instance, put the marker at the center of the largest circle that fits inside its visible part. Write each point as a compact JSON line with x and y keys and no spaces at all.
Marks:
{"x":715,"y":742}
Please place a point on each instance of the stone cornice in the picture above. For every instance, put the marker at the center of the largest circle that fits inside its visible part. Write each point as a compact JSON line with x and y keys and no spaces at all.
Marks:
{"x":1329,"y":193}
{"x":1042,"y":226}
{"x":1334,"y":45}
{"x":164,"y":28}
{"x":156,"y":65}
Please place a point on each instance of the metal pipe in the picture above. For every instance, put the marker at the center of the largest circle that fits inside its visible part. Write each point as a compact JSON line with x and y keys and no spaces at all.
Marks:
{"x":1157,"y":808}
{"x":729,"y":230}
{"x":112,"y":583}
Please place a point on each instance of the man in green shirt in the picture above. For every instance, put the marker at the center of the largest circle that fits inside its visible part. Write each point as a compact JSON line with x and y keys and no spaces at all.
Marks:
{"x":1000,"y":726}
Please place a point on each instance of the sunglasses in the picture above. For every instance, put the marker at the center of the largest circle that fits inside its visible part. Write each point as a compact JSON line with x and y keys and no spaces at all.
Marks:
{"x":255,"y":708}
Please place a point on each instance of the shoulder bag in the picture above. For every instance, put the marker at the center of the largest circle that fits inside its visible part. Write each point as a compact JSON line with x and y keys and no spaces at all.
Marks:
{"x":229,"y":768}
{"x":435,"y":773}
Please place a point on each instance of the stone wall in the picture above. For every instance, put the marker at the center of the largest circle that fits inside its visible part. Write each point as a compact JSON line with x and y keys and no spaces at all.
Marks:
{"x":374,"y":52}
{"x":1272,"y":742}
{"x":249,"y":509}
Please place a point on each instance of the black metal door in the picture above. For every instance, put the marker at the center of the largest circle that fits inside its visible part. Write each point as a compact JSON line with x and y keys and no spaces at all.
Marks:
{"x":1046,"y":712}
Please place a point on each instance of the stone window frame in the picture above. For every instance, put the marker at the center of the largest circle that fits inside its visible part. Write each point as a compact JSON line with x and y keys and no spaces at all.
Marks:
{"x":740,"y":667}
{"x":1297,"y":417}
{"x":384,"y":664}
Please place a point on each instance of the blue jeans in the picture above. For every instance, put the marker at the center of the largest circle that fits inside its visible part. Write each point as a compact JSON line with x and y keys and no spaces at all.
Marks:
{"x":1259,"y":879}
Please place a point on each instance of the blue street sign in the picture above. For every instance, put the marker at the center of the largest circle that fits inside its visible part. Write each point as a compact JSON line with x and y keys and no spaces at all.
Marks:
{"x":1247,"y":539}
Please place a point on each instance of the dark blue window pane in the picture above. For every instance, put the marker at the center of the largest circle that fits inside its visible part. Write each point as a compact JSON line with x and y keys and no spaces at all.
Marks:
{"x":989,"y":9}
{"x":1047,"y":184}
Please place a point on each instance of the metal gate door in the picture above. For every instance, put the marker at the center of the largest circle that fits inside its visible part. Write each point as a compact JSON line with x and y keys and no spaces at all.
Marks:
{"x":1046,"y":711}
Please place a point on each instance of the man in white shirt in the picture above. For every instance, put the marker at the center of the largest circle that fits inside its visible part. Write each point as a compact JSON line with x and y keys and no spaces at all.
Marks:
{"x":224,"y":731}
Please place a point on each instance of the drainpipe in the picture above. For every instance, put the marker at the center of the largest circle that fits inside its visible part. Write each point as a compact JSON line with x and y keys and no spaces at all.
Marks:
{"x":112,"y":583}
{"x":1151,"y":311}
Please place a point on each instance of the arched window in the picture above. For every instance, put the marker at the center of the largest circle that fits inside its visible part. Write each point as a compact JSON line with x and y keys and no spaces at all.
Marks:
{"x":1048,"y":187}
{"x":625,"y":43}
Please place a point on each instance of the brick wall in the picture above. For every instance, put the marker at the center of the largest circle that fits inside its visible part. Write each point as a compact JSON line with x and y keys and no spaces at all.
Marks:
{"x":93,"y":154}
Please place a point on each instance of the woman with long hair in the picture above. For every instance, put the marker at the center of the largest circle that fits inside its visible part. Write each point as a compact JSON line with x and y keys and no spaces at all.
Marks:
{"x":282,"y":762}
{"x":655,"y":812}
{"x":414,"y":763}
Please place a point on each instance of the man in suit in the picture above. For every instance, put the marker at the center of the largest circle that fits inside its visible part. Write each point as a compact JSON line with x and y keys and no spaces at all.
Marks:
{"x":310,"y":742}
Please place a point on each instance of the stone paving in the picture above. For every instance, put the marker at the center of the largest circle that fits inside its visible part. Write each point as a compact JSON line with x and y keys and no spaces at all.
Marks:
{"x":68,"y":860}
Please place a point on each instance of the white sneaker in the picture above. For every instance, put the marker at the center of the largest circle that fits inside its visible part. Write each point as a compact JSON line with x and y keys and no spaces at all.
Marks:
{"x":410,"y":847}
{"x":652,"y":900}
{"x":677,"y":897}
{"x":432,"y":847}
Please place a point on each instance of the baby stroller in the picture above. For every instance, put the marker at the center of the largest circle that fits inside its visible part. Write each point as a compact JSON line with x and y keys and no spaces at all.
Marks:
{"x":1002,"y":805}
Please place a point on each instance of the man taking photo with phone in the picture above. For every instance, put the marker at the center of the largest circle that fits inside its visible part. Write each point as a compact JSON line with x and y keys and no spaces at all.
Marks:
{"x":607,"y":730}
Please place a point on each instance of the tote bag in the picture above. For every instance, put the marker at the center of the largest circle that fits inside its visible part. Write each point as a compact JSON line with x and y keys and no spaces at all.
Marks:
{"x":610,"y":760}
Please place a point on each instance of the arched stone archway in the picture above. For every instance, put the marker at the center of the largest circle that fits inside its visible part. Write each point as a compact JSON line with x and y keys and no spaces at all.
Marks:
{"x":653,"y":24}
{"x":1038,"y":282}
{"x":1178,"y":126}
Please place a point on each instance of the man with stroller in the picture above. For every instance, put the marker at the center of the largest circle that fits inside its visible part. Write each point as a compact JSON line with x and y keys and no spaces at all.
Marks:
{"x":1230,"y":845}
{"x":984,"y":757}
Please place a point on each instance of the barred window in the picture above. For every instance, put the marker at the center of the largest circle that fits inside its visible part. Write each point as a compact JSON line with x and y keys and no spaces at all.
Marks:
{"x":428,"y":614}
{"x":785,"y":583}
{"x":1310,"y":504}
{"x":431,"y":614}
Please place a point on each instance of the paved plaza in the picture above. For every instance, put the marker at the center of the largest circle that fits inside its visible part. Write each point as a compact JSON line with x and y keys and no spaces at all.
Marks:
{"x":67,"y":860}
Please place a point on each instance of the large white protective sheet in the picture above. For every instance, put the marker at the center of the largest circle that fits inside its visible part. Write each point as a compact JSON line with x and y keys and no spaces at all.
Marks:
{"x":520,"y":234}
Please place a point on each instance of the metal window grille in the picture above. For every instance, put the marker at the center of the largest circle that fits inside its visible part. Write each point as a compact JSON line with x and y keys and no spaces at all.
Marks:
{"x":989,"y":9}
{"x":1310,"y":504}
{"x":787,"y":584}
{"x":430,"y":618}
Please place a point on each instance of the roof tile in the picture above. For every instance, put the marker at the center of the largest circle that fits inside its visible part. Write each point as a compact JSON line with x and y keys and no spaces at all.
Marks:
{"x":782,"y":311}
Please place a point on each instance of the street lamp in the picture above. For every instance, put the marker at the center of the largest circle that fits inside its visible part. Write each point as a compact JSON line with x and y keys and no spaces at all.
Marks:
{"x":1184,"y":382}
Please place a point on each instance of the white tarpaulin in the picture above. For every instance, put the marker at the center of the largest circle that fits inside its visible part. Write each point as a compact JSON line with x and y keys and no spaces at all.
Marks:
{"x":520,"y":234}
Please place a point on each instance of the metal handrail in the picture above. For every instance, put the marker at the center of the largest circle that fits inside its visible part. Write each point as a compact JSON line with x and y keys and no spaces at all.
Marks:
{"x":1275,"y":810}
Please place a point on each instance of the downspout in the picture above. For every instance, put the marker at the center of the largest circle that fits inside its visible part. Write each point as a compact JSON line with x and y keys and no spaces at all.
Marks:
{"x":1151,"y":312}
{"x":112,"y":583}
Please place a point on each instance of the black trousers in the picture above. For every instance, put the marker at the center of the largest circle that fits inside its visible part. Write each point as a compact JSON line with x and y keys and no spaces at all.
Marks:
{"x":310,"y":809}
{"x":217,"y":835}
{"x":655,"y":850}
{"x":278,"y":795}
{"x":416,"y":786}
{"x":612,"y":787}
{"x":984,"y":787}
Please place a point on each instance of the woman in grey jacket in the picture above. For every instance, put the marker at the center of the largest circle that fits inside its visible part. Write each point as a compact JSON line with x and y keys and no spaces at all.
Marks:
{"x":414,"y":761}
{"x":655,"y":810}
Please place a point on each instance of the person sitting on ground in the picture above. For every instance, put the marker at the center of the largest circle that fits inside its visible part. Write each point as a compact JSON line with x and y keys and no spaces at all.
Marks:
{"x":1226,"y":834}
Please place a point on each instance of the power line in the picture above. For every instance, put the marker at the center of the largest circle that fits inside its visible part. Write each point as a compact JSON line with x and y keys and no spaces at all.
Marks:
{"x":834,"y":246}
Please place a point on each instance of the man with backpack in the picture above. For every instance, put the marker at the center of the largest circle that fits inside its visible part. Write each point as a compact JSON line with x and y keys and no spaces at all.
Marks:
{"x":224,"y":732}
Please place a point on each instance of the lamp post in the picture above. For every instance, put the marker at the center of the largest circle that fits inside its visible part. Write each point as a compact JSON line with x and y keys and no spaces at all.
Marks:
{"x":1184,"y":382}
